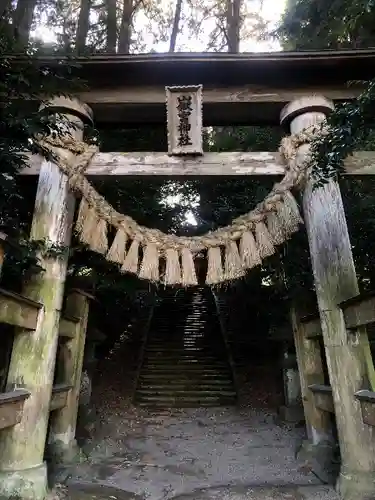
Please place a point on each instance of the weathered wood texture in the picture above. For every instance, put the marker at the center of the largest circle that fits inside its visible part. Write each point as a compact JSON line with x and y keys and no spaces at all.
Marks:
{"x":68,"y":326}
{"x":230,"y":105}
{"x":211,"y":164}
{"x":240,"y":94}
{"x":253,"y":87}
{"x":11,"y":407}
{"x":3,"y":237}
{"x":336,"y":281}
{"x":33,"y":356}
{"x":367,"y":399}
{"x":62,"y":444}
{"x":312,"y":327}
{"x":310,"y":367}
{"x":322,"y":396}
{"x":18,"y":311}
{"x":359,"y":311}
{"x":59,"y":397}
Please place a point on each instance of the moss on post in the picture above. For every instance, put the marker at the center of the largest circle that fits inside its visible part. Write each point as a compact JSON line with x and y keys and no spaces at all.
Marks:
{"x":336,"y":281}
{"x":22,"y":470}
{"x":3,"y":237}
{"x":62,"y":444}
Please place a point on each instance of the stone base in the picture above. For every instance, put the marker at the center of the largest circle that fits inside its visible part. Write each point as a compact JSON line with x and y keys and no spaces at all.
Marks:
{"x":29,"y":484}
{"x":61,"y":453}
{"x":292,"y":414}
{"x":356,"y":485}
{"x":320,"y":459}
{"x":60,"y":459}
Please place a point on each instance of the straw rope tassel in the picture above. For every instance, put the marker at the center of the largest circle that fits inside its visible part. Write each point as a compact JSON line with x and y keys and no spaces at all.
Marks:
{"x":264,"y":240}
{"x":130,"y":264}
{"x":172,"y":267}
{"x":189,"y":275}
{"x":275,"y":228}
{"x":249,"y":251}
{"x":272,"y":222}
{"x":233,"y":268}
{"x":100,"y":239}
{"x":91,"y":229}
{"x":82,"y":215}
{"x":150,"y":263}
{"x":215,"y":273}
{"x":290,"y":213}
{"x":118,"y":248}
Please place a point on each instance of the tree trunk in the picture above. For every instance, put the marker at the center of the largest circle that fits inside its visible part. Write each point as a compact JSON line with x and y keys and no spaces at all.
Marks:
{"x":176,"y":22}
{"x":83,"y":26}
{"x":126,"y":27}
{"x":233,"y":25}
{"x":23,"y":19}
{"x":111,"y":26}
{"x":4,"y":6}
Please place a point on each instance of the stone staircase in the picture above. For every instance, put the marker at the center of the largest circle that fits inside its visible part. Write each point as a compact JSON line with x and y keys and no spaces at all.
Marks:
{"x":185,"y":362}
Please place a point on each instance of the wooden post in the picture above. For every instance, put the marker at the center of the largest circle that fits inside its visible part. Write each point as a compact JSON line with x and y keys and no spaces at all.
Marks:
{"x":317,"y":451}
{"x":3,"y":237}
{"x":336,"y":281}
{"x":22,"y":470}
{"x":62,"y":443}
{"x":291,"y":410}
{"x":310,"y":369}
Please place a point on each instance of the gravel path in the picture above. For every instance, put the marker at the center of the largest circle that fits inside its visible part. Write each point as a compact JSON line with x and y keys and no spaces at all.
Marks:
{"x":199,"y":454}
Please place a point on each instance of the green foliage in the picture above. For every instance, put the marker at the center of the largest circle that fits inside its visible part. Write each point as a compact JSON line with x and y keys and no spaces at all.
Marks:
{"x":350,"y":127}
{"x":318,"y":24}
{"x":22,"y":81}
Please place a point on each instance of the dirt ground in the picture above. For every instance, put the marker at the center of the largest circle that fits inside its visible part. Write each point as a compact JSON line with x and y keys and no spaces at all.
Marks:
{"x":237,"y":453}
{"x":202,"y":454}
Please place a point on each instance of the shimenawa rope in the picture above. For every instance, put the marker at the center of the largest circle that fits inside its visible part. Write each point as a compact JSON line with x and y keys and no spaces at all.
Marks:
{"x":140,"y":250}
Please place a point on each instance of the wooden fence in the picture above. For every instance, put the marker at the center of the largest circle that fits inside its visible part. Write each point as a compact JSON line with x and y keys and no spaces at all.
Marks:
{"x":21,"y":312}
{"x":358,"y":312}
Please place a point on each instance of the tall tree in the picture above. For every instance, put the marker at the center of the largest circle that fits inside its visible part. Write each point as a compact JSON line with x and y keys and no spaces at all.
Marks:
{"x":83,"y":26}
{"x":111,"y":26}
{"x":317,"y":24}
{"x":176,"y":24}
{"x":233,"y":25}
{"x":126,"y":27}
{"x":23,"y":19}
{"x":5,"y":5}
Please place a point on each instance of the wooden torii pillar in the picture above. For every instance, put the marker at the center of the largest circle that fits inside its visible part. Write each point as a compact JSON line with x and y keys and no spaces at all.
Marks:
{"x":23,"y":473}
{"x":336,"y":281}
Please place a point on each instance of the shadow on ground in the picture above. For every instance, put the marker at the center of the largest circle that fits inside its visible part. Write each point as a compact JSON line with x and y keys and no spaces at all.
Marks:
{"x":95,"y":492}
{"x":198,"y":454}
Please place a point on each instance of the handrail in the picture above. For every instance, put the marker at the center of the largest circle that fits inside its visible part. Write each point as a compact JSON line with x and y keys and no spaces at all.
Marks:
{"x":145,"y":329}
{"x":229,"y":350}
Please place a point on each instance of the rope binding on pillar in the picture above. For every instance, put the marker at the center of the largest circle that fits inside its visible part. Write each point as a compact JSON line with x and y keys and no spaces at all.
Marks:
{"x":229,"y":250}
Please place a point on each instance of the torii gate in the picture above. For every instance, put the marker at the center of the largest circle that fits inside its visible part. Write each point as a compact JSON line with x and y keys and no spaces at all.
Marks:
{"x":303,"y":102}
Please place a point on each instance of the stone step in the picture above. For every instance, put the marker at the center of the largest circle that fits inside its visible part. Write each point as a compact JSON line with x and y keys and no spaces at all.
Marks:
{"x":167,"y":349}
{"x":198,"y":393}
{"x":182,"y":364}
{"x":187,"y":384}
{"x":185,"y":402}
{"x":181,"y":341}
{"x":201,"y":362}
{"x":183,"y":378}
{"x":198,"y":370}
{"x":165,"y":358}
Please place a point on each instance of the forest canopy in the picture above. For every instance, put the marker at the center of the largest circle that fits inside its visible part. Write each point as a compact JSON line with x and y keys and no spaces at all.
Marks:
{"x":84,"y":27}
